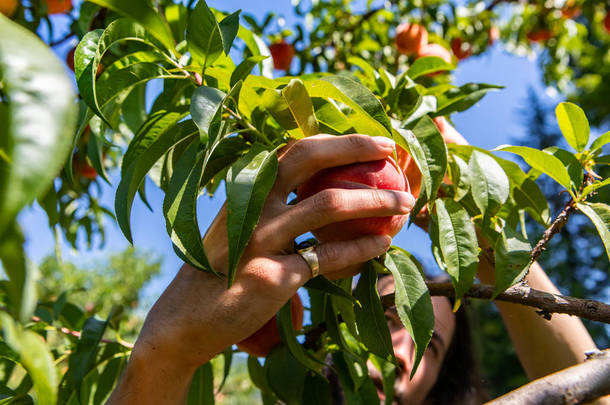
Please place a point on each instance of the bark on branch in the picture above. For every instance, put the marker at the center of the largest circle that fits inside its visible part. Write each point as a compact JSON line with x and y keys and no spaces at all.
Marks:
{"x":548,"y":303}
{"x":574,"y":385}
{"x":555,"y":227}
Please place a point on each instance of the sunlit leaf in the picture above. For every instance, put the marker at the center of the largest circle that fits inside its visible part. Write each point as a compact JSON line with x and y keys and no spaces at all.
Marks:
{"x":428,"y":64}
{"x":599,"y":214}
{"x":489,"y":184}
{"x":573,"y":124}
{"x":300,"y":106}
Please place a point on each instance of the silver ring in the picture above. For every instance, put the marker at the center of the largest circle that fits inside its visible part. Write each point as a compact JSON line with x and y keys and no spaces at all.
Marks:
{"x":311,"y":258}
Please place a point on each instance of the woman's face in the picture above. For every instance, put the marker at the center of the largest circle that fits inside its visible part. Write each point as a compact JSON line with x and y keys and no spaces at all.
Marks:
{"x":414,"y":391}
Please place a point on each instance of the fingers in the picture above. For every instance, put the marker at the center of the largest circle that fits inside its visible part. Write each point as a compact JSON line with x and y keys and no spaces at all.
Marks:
{"x":308,"y":156}
{"x":335,"y":257}
{"x":336,"y":205}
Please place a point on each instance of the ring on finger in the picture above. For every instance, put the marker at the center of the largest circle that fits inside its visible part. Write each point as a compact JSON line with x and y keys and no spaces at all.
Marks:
{"x":307,"y":251}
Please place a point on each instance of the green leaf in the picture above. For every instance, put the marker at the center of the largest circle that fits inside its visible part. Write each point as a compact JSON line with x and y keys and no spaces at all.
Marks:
{"x":34,"y":356}
{"x":95,"y":151}
{"x":228,"y":28}
{"x":285,"y":375}
{"x":372,"y":325}
{"x":368,"y":116}
{"x":82,"y":358}
{"x":512,"y":257}
{"x":573,"y":124}
{"x":463,"y":97}
{"x":321,"y":283}
{"x":412,"y":299}
{"x":223,"y":154}
{"x":541,"y":161}
{"x":300,"y":106}
{"x":595,"y":186}
{"x":257,"y":375}
{"x":571,"y":163}
{"x":489,"y":184}
{"x":427,"y":65}
{"x":317,"y":391}
{"x":599,"y":214}
{"x":257,"y":47}
{"x":156,"y":136}
{"x":601,"y":141}
{"x":206,"y":109}
{"x":458,"y":244}
{"x":36,"y":121}
{"x":289,"y":337}
{"x":180,"y":208}
{"x":227,"y":356}
{"x":22,"y":275}
{"x":108,"y":378}
{"x":427,"y":147}
{"x":245,"y":67}
{"x":330,"y":119}
{"x":142,"y":12}
{"x":201,"y":390}
{"x":203,"y":35}
{"x":248,"y":183}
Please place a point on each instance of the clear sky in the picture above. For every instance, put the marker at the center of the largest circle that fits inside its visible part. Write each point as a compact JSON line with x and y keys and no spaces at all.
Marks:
{"x":494,"y":121}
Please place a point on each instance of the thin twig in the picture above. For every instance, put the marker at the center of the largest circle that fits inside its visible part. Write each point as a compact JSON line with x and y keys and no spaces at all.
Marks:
{"x":555,"y":227}
{"x":548,"y":303}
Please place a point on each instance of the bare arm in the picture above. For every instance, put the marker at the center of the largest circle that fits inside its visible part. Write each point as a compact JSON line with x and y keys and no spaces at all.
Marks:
{"x":543,"y":346}
{"x":197,"y":317}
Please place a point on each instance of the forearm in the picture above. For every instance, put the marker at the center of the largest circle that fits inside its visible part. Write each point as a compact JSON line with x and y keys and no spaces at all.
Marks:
{"x":543,"y":346}
{"x":150,"y":380}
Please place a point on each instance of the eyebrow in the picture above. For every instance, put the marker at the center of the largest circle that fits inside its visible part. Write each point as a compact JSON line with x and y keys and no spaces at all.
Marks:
{"x":438,"y":337}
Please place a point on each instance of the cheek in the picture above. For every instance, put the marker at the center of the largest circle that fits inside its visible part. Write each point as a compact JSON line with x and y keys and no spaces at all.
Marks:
{"x":414,"y":391}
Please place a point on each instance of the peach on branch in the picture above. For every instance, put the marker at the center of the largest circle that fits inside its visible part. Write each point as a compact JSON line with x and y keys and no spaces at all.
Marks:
{"x":282,"y":54}
{"x":410,"y":38}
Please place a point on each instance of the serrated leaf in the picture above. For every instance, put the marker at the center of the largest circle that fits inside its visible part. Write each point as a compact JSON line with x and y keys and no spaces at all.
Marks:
{"x":298,"y":101}
{"x":248,"y":183}
{"x":512,"y":254}
{"x":158,"y":134}
{"x":289,"y":337}
{"x":370,"y":317}
{"x":180,"y":208}
{"x":143,"y":13}
{"x":34,"y":356}
{"x":488,"y":182}
{"x":412,"y":300}
{"x":201,"y":390}
{"x":599,"y":214}
{"x":458,"y":244}
{"x":206,"y":109}
{"x":573,"y":124}
{"x":542,"y":161}
{"x":36,"y":121}
{"x":428,"y":64}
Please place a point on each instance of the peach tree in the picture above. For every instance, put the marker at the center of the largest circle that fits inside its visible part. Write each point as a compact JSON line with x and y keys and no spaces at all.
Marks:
{"x":220,"y":120}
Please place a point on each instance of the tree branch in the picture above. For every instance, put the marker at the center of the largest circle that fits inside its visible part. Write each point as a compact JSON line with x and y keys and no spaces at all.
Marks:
{"x":548,"y":303}
{"x":574,"y":385}
{"x":555,"y":227}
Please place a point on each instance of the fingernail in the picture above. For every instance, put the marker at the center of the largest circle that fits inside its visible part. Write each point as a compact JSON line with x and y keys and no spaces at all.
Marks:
{"x":406,"y":200}
{"x":384,"y":142}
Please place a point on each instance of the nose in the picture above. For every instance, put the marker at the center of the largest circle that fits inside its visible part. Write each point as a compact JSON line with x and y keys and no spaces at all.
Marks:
{"x":403,"y":347}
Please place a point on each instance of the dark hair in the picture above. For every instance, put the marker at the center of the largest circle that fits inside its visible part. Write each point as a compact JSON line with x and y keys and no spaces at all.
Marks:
{"x":459,"y":380}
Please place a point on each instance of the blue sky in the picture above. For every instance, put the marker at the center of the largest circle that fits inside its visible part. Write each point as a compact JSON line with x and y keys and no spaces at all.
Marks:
{"x":494,"y":121}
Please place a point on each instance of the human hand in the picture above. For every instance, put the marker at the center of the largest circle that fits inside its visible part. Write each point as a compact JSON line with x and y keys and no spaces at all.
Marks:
{"x":198,"y":317}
